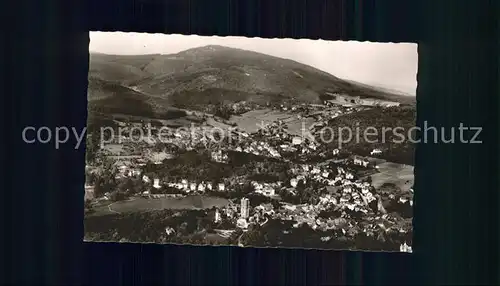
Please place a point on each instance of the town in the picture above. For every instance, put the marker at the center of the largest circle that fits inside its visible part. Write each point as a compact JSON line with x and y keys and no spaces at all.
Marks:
{"x":246,"y":182}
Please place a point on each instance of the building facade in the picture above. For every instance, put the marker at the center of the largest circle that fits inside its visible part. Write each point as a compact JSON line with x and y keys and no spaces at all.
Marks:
{"x":245,"y":208}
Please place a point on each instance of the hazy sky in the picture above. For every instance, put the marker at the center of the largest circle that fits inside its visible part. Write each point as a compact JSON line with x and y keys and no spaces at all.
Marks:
{"x":387,"y":65}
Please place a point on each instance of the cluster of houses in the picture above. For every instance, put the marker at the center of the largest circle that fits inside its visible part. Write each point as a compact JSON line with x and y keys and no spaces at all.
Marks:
{"x":220,"y":156}
{"x":242,"y":107}
{"x":320,"y":174}
{"x":200,"y":187}
{"x":276,"y":129}
{"x":405,"y":248}
{"x":338,"y":98}
{"x":258,"y":148}
{"x":127,"y":171}
{"x":247,"y":216}
{"x":361,"y":162}
{"x":266,"y":189}
{"x":288,"y":107}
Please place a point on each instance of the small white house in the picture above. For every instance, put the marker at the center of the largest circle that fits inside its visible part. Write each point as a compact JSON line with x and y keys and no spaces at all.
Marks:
{"x":146,"y":179}
{"x":268,"y":191}
{"x":376,"y":152}
{"x":156,"y":184}
{"x":296,"y":140}
{"x":201,"y":188}
{"x":405,"y":248}
{"x":192,"y":187}
{"x":361,"y":162}
{"x":294,"y":182}
{"x":336,"y":152}
{"x":217,"y":216}
{"x":221,"y":187}
{"x":242,"y":223}
{"x":169,"y":230}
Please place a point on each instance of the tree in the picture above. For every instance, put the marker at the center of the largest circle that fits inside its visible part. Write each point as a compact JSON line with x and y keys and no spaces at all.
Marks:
{"x":91,"y":147}
{"x":105,"y":181}
{"x":252,"y":238}
{"x":276,"y":205}
{"x":125,"y":185}
{"x":223,"y":111}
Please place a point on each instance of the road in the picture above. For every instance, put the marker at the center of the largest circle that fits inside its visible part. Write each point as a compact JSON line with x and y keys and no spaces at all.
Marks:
{"x":239,"y":240}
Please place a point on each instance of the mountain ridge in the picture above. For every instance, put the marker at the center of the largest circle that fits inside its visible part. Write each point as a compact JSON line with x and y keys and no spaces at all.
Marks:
{"x":215,"y":74}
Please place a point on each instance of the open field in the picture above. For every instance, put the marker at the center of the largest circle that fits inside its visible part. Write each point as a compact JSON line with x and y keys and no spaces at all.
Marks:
{"x":398,"y":174}
{"x":124,"y":157}
{"x":114,"y":149}
{"x":251,"y":121}
{"x":215,"y":238}
{"x":144,"y":204}
{"x":296,"y":126}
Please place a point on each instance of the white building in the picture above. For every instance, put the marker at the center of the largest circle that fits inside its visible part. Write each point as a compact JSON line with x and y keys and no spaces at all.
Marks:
{"x":156,"y":184}
{"x":201,"y":188}
{"x":219,"y":156}
{"x":405,"y":248}
{"x":146,"y":179}
{"x":221,"y":187}
{"x":217,"y":216}
{"x":245,"y":208}
{"x":268,"y":191}
{"x":361,"y":162}
{"x":242,"y":223}
{"x":294,"y":182}
{"x":376,"y":152}
{"x":184,"y":184}
{"x":336,"y":152}
{"x":192,"y":187}
{"x":169,"y":230}
{"x":296,"y":140}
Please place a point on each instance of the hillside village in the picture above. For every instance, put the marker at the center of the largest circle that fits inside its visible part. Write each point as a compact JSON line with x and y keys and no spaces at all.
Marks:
{"x":216,"y":146}
{"x":327,"y":191}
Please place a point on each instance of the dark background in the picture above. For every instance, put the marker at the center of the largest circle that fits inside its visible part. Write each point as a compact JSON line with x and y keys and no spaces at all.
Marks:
{"x":44,"y":80}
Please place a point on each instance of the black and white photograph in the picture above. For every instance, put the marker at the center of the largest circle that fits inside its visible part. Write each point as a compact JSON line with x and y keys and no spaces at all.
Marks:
{"x":250,"y":142}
